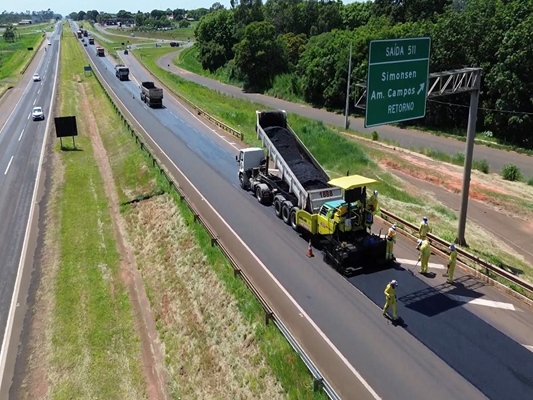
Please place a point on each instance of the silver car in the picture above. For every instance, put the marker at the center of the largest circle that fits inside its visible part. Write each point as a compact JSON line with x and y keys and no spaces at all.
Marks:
{"x":37,"y":113}
{"x":36,"y":77}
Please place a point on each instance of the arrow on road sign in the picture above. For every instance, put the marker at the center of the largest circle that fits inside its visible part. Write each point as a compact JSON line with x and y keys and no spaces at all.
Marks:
{"x":421,"y":88}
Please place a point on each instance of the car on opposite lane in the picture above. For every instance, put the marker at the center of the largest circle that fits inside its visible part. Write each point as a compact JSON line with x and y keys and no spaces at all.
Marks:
{"x":36,"y":77}
{"x":37,"y":113}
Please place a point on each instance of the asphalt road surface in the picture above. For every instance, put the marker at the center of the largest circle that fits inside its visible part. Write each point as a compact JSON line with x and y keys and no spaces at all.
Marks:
{"x":404,"y":137}
{"x":21,"y":142}
{"x":463,"y":342}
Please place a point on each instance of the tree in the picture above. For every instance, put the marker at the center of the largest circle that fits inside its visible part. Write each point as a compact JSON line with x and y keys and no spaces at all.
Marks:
{"x":215,"y":39}
{"x":295,"y":46}
{"x":9,"y":34}
{"x":184,"y":23}
{"x":216,"y":7}
{"x":81,"y":15}
{"x":260,"y":56}
{"x":356,"y":14}
{"x":92,"y":15}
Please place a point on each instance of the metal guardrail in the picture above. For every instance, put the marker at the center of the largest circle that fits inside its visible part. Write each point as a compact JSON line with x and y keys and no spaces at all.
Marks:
{"x":467,"y":259}
{"x":319,"y":382}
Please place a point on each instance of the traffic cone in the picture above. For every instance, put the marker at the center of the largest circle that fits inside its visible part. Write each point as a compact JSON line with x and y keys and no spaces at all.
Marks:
{"x":310,"y":250}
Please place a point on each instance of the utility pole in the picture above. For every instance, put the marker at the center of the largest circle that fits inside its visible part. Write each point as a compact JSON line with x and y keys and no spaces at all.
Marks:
{"x":470,"y":136}
{"x":346,"y":123}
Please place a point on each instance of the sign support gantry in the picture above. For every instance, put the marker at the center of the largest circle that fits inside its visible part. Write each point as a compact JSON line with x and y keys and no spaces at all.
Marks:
{"x":445,"y":83}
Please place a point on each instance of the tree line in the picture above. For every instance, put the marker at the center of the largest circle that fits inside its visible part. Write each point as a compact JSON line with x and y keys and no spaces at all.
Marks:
{"x":304,"y":45}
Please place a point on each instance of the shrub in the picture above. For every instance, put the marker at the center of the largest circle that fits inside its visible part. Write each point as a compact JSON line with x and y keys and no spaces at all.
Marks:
{"x":375,"y":135}
{"x":511,"y":173}
{"x":482,"y":165}
{"x":530,"y":181}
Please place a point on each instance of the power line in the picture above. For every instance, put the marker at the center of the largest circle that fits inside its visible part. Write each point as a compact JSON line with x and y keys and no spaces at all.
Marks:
{"x":483,"y":108}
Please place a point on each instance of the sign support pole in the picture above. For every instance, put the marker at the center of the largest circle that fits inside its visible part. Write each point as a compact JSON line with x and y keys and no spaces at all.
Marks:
{"x":346,"y":122}
{"x":469,"y":154}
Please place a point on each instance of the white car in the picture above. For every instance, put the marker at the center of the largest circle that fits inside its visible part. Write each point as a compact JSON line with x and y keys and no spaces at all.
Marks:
{"x":36,"y":77}
{"x":37,"y":113}
{"x":49,"y":43}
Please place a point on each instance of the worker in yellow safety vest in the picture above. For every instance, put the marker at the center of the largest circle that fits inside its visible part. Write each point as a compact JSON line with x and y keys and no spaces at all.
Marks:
{"x":390,"y":299}
{"x":425,"y":252}
{"x":424,"y":229}
{"x":391,"y":240}
{"x":452,"y":261}
{"x":372,"y":204}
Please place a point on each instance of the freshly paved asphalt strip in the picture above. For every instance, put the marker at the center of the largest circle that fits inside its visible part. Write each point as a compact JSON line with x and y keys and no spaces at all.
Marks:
{"x":21,"y":144}
{"x":404,"y":137}
{"x":398,"y":363}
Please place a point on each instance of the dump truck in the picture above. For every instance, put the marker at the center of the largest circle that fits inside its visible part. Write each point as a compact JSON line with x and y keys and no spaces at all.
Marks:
{"x":332,"y":213}
{"x":151,"y":95}
{"x":85,"y":33}
{"x":91,"y":41}
{"x":80,"y":34}
{"x":100,"y":52}
{"x":122,"y":72}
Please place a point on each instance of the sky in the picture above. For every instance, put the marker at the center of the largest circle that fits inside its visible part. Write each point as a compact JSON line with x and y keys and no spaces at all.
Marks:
{"x":65,"y":7}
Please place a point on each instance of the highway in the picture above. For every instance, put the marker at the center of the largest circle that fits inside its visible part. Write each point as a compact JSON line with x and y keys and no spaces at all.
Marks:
{"x":406,"y":138}
{"x":21,"y":150}
{"x":467,"y":341}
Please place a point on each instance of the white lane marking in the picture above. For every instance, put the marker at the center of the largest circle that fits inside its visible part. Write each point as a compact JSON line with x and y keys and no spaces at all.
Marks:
{"x":21,"y":133}
{"x":413,"y":262}
{"x":39,"y":91}
{"x":42,"y":82}
{"x":267,"y":271}
{"x":34,"y":101}
{"x":530,"y":348}
{"x":29,"y":115}
{"x":13,"y":306}
{"x":482,"y":302}
{"x":9,"y":165}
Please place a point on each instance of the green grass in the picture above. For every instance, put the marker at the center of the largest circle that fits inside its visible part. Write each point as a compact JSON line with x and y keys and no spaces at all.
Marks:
{"x":95,"y":349}
{"x":456,"y":159}
{"x":15,"y":56}
{"x":188,"y":60}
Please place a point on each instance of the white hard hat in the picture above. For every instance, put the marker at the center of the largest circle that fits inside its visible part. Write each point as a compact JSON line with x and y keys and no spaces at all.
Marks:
{"x":452,"y":247}
{"x":425,"y":218}
{"x":375,"y":192}
{"x":393,"y":227}
{"x":419,"y":242}
{"x":394,"y":283}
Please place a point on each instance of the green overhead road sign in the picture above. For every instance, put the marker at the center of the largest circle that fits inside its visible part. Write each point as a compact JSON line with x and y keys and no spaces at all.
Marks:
{"x":398,"y":72}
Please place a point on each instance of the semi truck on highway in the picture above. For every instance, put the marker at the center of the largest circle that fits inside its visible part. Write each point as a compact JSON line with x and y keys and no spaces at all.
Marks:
{"x":151,"y":95}
{"x":122,"y":72}
{"x":331,"y":213}
{"x":100,"y":51}
{"x":80,"y":34}
{"x":91,"y":40}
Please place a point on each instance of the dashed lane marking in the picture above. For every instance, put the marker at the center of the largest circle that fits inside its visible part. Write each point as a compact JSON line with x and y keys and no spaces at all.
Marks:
{"x":482,"y":302}
{"x":413,"y":262}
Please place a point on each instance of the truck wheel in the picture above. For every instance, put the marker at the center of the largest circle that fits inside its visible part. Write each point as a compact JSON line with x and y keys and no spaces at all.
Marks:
{"x":244,"y":186}
{"x":278,"y":202}
{"x":286,"y":212}
{"x":292,"y":219}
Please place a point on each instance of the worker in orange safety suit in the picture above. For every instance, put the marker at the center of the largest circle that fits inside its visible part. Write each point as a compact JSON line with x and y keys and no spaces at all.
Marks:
{"x":425,"y":252}
{"x":452,"y":261}
{"x":391,"y":240}
{"x":424,"y":229}
{"x":390,"y":299}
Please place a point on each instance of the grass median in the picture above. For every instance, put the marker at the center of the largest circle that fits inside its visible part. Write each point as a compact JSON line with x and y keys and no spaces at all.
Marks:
{"x":338,"y":155}
{"x":211,"y":327}
{"x":84,"y":342}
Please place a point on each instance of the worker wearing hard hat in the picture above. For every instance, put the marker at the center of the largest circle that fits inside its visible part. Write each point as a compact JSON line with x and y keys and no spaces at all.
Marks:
{"x":372,"y":204}
{"x":452,"y":261}
{"x":391,"y":240}
{"x":425,"y":252}
{"x":424,"y":229}
{"x":390,"y":299}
